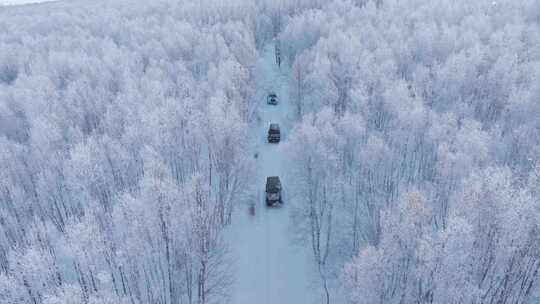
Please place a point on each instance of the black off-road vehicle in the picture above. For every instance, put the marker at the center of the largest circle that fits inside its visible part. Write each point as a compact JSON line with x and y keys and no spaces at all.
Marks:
{"x":274,"y":134}
{"x":273,"y":191}
{"x":272,"y":99}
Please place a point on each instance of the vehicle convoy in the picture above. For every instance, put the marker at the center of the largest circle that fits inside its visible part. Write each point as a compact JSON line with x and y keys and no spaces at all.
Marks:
{"x":272,"y":99}
{"x":273,"y":191}
{"x":274,"y":134}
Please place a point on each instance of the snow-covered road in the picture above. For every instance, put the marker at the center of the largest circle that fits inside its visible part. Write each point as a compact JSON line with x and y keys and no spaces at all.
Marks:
{"x":271,"y":266}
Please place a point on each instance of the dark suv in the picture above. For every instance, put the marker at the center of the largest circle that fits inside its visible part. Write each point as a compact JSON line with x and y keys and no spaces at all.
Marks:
{"x":274,"y":134}
{"x":272,"y":99}
{"x":273,"y":191}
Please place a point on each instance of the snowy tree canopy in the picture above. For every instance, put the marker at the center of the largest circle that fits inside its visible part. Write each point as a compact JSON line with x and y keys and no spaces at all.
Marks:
{"x":412,"y":147}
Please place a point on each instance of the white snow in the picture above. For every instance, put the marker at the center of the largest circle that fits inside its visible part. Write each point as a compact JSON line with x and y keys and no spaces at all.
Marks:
{"x":271,"y":266}
{"x":19,"y":2}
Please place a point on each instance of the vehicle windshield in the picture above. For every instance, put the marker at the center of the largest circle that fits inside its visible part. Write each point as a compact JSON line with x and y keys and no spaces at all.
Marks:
{"x":272,"y":189}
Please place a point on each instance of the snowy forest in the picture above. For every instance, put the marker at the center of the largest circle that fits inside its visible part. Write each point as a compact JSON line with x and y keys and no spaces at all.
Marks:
{"x":410,"y":160}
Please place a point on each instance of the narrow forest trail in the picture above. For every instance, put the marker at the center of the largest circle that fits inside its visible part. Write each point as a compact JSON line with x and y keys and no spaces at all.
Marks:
{"x":270,"y":267}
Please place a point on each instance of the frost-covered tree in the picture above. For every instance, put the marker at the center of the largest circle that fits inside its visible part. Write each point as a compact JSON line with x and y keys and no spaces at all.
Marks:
{"x":438,"y":88}
{"x":104,"y":131}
